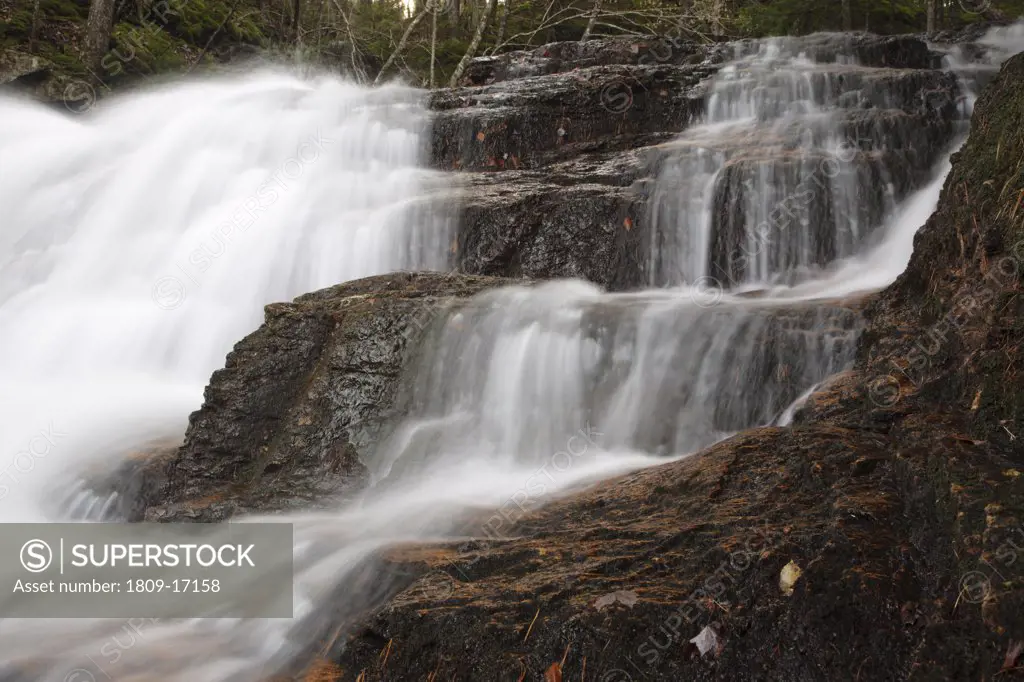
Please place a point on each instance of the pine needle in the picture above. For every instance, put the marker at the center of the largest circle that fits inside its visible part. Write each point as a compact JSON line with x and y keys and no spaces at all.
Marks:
{"x":530,"y":629}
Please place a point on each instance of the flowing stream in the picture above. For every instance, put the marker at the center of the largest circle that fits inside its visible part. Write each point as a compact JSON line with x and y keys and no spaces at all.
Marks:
{"x":141,"y":241}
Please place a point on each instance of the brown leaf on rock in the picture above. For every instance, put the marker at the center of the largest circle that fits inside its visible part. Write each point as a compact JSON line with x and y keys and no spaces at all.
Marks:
{"x":553,"y":674}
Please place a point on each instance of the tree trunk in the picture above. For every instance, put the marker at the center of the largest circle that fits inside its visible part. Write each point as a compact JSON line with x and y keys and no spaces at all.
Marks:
{"x":320,"y":21}
{"x":684,"y":16}
{"x":718,"y":16}
{"x":502,"y":26}
{"x":401,"y":43}
{"x":593,"y":20}
{"x":433,"y":39}
{"x":931,"y":17}
{"x":353,"y":52}
{"x":454,"y":12}
{"x":296,"y":21}
{"x":97,"y":32}
{"x":474,"y":44}
{"x":847,"y":16}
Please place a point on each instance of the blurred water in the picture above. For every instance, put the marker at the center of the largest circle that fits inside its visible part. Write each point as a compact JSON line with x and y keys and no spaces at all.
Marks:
{"x":522,"y":393}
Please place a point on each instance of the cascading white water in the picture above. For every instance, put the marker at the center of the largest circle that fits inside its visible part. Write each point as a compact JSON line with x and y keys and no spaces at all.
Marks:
{"x":141,"y":241}
{"x":510,"y":381}
{"x":797,"y":162}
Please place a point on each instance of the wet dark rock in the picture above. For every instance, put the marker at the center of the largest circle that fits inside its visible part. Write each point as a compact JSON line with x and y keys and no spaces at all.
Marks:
{"x":581,"y":218}
{"x":574,"y":136}
{"x":536,"y":121}
{"x":284,"y":423}
{"x":898,"y":494}
{"x":568,"y":56}
{"x":895,"y":52}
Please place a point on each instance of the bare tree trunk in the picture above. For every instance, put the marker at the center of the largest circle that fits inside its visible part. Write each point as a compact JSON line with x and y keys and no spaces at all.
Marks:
{"x":320,"y":21}
{"x":433,"y":39}
{"x":401,"y":43}
{"x":35,"y":26}
{"x":97,"y":32}
{"x":847,"y":16}
{"x":502,"y":26}
{"x":474,"y":44}
{"x":931,"y":17}
{"x":593,"y":20}
{"x":357,"y":72}
{"x":684,"y":16}
{"x":720,"y":17}
{"x":296,"y":21}
{"x":454,"y":12}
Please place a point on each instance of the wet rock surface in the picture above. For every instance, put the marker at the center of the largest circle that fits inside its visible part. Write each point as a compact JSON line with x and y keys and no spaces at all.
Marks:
{"x":562,"y":144}
{"x":880,"y":537}
{"x":284,"y":423}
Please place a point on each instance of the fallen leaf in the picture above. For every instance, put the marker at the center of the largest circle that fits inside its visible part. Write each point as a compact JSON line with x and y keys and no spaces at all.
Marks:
{"x":788,"y":577}
{"x":624,"y":597}
{"x":977,"y":400}
{"x":480,"y":136}
{"x":1011,"y":473}
{"x":707,"y":640}
{"x":628,"y":224}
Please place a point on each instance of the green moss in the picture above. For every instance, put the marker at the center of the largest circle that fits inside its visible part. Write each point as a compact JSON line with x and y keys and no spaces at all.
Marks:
{"x":142,"y":50}
{"x":70,"y":10}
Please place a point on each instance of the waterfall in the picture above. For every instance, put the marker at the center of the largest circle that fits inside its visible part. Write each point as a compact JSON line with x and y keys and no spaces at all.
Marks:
{"x":798,"y":191}
{"x":141,"y":241}
{"x":797,"y":163}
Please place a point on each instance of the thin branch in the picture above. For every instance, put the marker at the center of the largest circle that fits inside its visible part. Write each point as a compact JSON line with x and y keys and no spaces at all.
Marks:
{"x":209,"y":42}
{"x":353,"y":51}
{"x":401,"y":43}
{"x":433,"y":44}
{"x":593,"y":20}
{"x":474,"y":44}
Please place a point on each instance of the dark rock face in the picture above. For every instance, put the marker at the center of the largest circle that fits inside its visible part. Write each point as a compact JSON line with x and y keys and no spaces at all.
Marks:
{"x":34,"y":77}
{"x":580,"y":219}
{"x":881,"y":537}
{"x":284,"y":422}
{"x":562,"y":145}
{"x":533,"y":122}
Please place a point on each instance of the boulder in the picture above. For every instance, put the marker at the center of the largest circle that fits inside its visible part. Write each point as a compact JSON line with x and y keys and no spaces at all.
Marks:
{"x":299,"y":401}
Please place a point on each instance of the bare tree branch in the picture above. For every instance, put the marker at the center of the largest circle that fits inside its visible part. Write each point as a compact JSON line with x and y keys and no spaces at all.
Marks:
{"x":474,"y":44}
{"x":405,"y":38}
{"x":357,"y":72}
{"x":433,"y":43}
{"x":593,"y":20}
